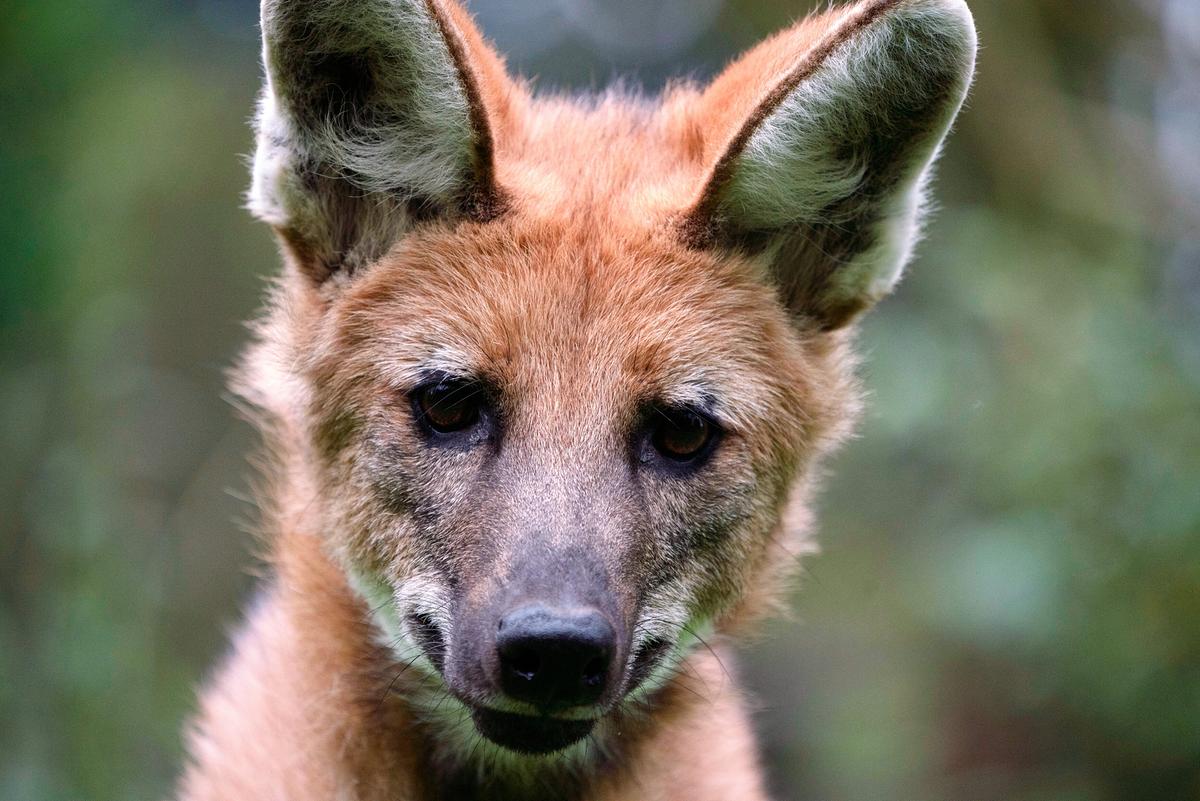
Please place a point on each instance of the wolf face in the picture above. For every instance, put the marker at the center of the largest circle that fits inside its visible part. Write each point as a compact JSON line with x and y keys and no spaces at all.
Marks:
{"x":549,"y":460}
{"x":556,"y":372}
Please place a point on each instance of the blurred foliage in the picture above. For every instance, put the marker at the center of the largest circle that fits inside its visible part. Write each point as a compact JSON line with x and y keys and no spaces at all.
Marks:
{"x":1008,"y":605}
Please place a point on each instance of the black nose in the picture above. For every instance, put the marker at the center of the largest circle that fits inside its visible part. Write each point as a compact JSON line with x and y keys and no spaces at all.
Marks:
{"x":555,"y":658}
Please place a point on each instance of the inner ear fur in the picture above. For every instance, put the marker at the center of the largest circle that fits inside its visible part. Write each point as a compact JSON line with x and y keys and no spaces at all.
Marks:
{"x":822,"y":142}
{"x":375,"y":115}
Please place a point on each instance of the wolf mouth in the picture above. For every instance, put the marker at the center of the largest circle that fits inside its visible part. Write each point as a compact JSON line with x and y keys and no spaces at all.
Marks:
{"x":529,"y":734}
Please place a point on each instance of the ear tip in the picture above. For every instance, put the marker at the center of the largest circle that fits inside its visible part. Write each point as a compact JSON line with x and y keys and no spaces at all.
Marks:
{"x":942,"y":37}
{"x":955,"y":24}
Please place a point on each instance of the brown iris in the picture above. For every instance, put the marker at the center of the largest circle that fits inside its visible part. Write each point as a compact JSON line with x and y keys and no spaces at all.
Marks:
{"x":449,"y":404}
{"x":681,"y":434}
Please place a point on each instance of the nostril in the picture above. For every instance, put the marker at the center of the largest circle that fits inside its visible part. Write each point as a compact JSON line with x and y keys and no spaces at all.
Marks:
{"x":524,"y":663}
{"x":593,"y":672}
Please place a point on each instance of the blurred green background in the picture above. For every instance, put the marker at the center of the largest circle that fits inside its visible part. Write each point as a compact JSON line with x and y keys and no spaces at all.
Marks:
{"x":1008,"y":602}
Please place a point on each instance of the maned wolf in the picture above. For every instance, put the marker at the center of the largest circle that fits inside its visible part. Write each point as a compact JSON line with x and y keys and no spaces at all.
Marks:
{"x":545,"y":383}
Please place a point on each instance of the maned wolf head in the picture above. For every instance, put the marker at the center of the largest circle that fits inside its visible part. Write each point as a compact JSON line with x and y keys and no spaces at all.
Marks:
{"x":550,"y":376}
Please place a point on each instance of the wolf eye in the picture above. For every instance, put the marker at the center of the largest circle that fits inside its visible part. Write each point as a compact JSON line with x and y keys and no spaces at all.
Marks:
{"x":449,"y":404}
{"x":682,"y":435}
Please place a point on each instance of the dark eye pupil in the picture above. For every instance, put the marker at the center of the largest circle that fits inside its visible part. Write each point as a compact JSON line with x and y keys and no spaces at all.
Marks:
{"x":682,"y":435}
{"x":449,"y":405}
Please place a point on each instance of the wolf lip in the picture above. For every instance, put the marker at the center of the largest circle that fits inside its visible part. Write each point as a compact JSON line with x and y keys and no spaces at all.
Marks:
{"x":527,"y":734}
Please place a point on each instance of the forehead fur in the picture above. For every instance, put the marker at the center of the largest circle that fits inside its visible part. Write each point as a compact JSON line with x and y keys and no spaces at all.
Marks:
{"x":631,"y":158}
{"x":585,"y":315}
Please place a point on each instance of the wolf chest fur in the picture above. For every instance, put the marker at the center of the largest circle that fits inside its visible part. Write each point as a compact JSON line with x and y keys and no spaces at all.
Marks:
{"x":544,"y":385}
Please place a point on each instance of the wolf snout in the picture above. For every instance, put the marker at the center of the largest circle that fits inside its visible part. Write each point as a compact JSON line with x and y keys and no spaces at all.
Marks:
{"x":555,"y":658}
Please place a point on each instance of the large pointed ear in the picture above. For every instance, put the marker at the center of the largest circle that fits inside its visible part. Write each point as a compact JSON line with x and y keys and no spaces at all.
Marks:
{"x":375,"y":114}
{"x":820,"y":144}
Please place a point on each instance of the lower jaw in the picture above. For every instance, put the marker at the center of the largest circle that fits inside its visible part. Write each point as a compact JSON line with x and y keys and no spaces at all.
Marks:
{"x":526,"y":734}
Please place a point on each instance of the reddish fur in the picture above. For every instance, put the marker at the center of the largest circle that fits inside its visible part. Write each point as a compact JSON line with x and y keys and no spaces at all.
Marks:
{"x":579,"y":294}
